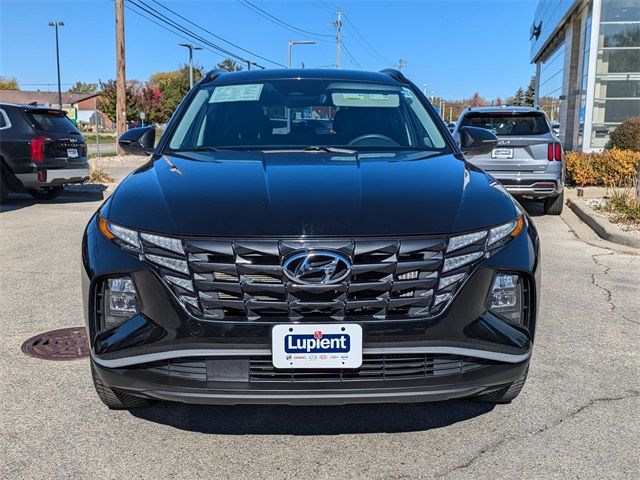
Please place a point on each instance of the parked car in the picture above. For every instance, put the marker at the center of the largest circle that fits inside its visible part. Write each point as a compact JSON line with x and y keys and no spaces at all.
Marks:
{"x":528,"y":159}
{"x":41,"y":151}
{"x":451,"y":126}
{"x":368,"y":262}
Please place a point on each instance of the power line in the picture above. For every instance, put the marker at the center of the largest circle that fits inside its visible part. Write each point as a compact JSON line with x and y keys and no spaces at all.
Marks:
{"x":350,"y":56}
{"x":363,"y":41}
{"x":217,"y":36}
{"x":280,"y":22}
{"x":140,"y":4}
{"x":323,"y":5}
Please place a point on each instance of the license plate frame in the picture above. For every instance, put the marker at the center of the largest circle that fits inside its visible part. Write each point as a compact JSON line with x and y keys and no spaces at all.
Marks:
{"x":317,"y":346}
{"x":72,"y":152}
{"x":502,"y":153}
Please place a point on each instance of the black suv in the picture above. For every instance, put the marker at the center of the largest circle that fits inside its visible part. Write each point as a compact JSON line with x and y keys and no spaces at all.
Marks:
{"x":40,"y":151}
{"x":254,"y":262}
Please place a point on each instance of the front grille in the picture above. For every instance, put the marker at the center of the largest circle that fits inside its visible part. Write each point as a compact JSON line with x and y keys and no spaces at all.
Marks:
{"x":389,"y":279}
{"x":380,"y":368}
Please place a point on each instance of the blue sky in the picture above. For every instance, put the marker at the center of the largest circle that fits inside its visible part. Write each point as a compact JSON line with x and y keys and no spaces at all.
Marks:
{"x":456,"y":47}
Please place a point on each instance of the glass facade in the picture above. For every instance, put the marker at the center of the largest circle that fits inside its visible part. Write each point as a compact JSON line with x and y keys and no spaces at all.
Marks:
{"x":550,"y":83}
{"x":617,"y":86}
{"x":586,"y":41}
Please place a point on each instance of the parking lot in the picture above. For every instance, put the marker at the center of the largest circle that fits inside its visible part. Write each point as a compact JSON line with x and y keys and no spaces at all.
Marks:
{"x":577,"y":416}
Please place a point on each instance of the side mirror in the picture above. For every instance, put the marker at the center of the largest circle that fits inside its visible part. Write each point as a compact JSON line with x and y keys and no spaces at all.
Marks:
{"x":138,"y":141}
{"x":477,"y":141}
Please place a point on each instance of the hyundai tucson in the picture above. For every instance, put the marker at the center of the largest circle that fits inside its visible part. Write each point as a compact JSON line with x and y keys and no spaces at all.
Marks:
{"x":308,"y":237}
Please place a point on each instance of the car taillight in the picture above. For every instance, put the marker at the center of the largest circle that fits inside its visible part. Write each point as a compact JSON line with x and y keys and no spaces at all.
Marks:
{"x":558,"y":154}
{"x":554,"y":152}
{"x":37,"y":149}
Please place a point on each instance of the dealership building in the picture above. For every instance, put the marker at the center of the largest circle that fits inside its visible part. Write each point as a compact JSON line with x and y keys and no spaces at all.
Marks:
{"x":587,"y":57}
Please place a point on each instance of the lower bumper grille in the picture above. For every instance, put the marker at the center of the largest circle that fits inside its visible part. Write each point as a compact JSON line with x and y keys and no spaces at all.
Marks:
{"x":377,"y":368}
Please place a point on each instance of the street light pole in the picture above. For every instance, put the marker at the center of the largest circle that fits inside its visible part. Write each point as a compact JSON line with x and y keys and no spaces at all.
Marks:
{"x":191,"y":49}
{"x":291,"y":43}
{"x":56,"y":25}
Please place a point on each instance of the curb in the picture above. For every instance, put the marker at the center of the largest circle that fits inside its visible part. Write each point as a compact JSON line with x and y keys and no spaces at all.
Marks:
{"x":602,"y":227}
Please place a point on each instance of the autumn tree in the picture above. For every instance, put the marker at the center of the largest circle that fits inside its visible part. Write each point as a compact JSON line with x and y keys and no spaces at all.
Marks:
{"x":82,"y":87}
{"x":107,"y":101}
{"x":477,"y":100}
{"x":230,"y":65}
{"x":9,"y":83}
{"x":173,"y":86}
{"x":150,"y":102}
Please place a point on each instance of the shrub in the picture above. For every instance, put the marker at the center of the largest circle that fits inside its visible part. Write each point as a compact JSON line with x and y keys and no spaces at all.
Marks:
{"x":99,"y":174}
{"x":627,"y":135}
{"x":609,"y":168}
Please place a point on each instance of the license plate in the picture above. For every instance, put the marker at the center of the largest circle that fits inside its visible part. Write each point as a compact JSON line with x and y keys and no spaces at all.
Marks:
{"x":317,"y":346}
{"x":72,"y":152}
{"x":502,"y":153}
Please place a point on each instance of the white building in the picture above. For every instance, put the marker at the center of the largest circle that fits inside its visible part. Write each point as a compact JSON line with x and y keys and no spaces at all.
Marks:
{"x":587,"y":56}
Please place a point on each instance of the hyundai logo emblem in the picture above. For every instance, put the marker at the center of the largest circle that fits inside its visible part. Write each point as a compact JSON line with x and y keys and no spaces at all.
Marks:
{"x":317,"y":267}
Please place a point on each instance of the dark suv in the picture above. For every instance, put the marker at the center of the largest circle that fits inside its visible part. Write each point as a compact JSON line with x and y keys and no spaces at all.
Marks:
{"x":251,"y":261}
{"x":40,"y":151}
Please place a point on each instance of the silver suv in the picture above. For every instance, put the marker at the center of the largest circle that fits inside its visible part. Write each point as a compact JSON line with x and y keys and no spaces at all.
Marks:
{"x":528,"y":159}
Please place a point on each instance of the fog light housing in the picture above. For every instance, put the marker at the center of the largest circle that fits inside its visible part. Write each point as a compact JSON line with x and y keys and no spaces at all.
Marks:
{"x":506,"y":296}
{"x":120,"y":301}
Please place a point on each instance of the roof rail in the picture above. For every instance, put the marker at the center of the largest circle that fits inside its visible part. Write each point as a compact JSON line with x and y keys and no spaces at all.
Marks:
{"x":395,"y":74}
{"x":212,"y":75}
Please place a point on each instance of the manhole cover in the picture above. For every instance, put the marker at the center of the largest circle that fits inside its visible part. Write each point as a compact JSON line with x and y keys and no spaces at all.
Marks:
{"x":64,"y":344}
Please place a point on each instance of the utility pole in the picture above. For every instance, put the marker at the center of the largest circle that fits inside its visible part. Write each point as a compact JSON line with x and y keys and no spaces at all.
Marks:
{"x":338,"y":25}
{"x":121,"y":105}
{"x":401,"y":64}
{"x":56,"y":25}
{"x":191,"y":49}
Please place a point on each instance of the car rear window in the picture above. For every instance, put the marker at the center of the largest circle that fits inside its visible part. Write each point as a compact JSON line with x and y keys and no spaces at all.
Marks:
{"x":508,"y":123}
{"x":52,"y":122}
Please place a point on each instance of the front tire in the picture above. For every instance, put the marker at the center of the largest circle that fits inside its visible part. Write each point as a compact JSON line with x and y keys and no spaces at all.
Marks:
{"x":113,"y":399}
{"x":46,"y":193}
{"x":553,"y":205}
{"x":507,"y":393}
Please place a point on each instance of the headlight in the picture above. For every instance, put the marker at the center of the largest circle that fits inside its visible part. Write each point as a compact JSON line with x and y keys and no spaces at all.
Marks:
{"x":166,"y":254}
{"x":464,"y":251}
{"x":506,"y":296}
{"x":120,"y":301}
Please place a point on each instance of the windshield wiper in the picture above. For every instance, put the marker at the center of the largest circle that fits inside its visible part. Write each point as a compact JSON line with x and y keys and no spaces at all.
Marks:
{"x":324,"y":148}
{"x":200,"y":148}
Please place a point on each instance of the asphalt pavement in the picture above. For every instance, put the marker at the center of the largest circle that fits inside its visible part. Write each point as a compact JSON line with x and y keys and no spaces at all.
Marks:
{"x":577,"y":417}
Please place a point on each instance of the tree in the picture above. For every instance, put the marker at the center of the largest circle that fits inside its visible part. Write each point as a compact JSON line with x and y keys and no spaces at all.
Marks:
{"x":150,"y":102}
{"x":174,"y":86}
{"x":229,"y":65}
{"x":530,"y":93}
{"x":107,"y":101}
{"x":477,"y":100}
{"x":9,"y":83}
{"x":519,"y":98}
{"x":499,"y":102}
{"x":82,"y":87}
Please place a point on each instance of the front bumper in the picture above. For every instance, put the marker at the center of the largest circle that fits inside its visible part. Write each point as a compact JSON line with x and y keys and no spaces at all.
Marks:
{"x":54,"y":176}
{"x":240,"y":387}
{"x":127,"y":357}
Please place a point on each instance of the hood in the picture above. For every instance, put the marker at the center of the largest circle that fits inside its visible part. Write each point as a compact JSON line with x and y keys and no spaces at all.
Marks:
{"x":282,"y":194}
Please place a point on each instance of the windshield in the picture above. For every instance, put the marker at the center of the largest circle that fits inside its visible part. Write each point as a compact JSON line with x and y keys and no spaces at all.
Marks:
{"x":306,"y":113}
{"x":508,"y":123}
